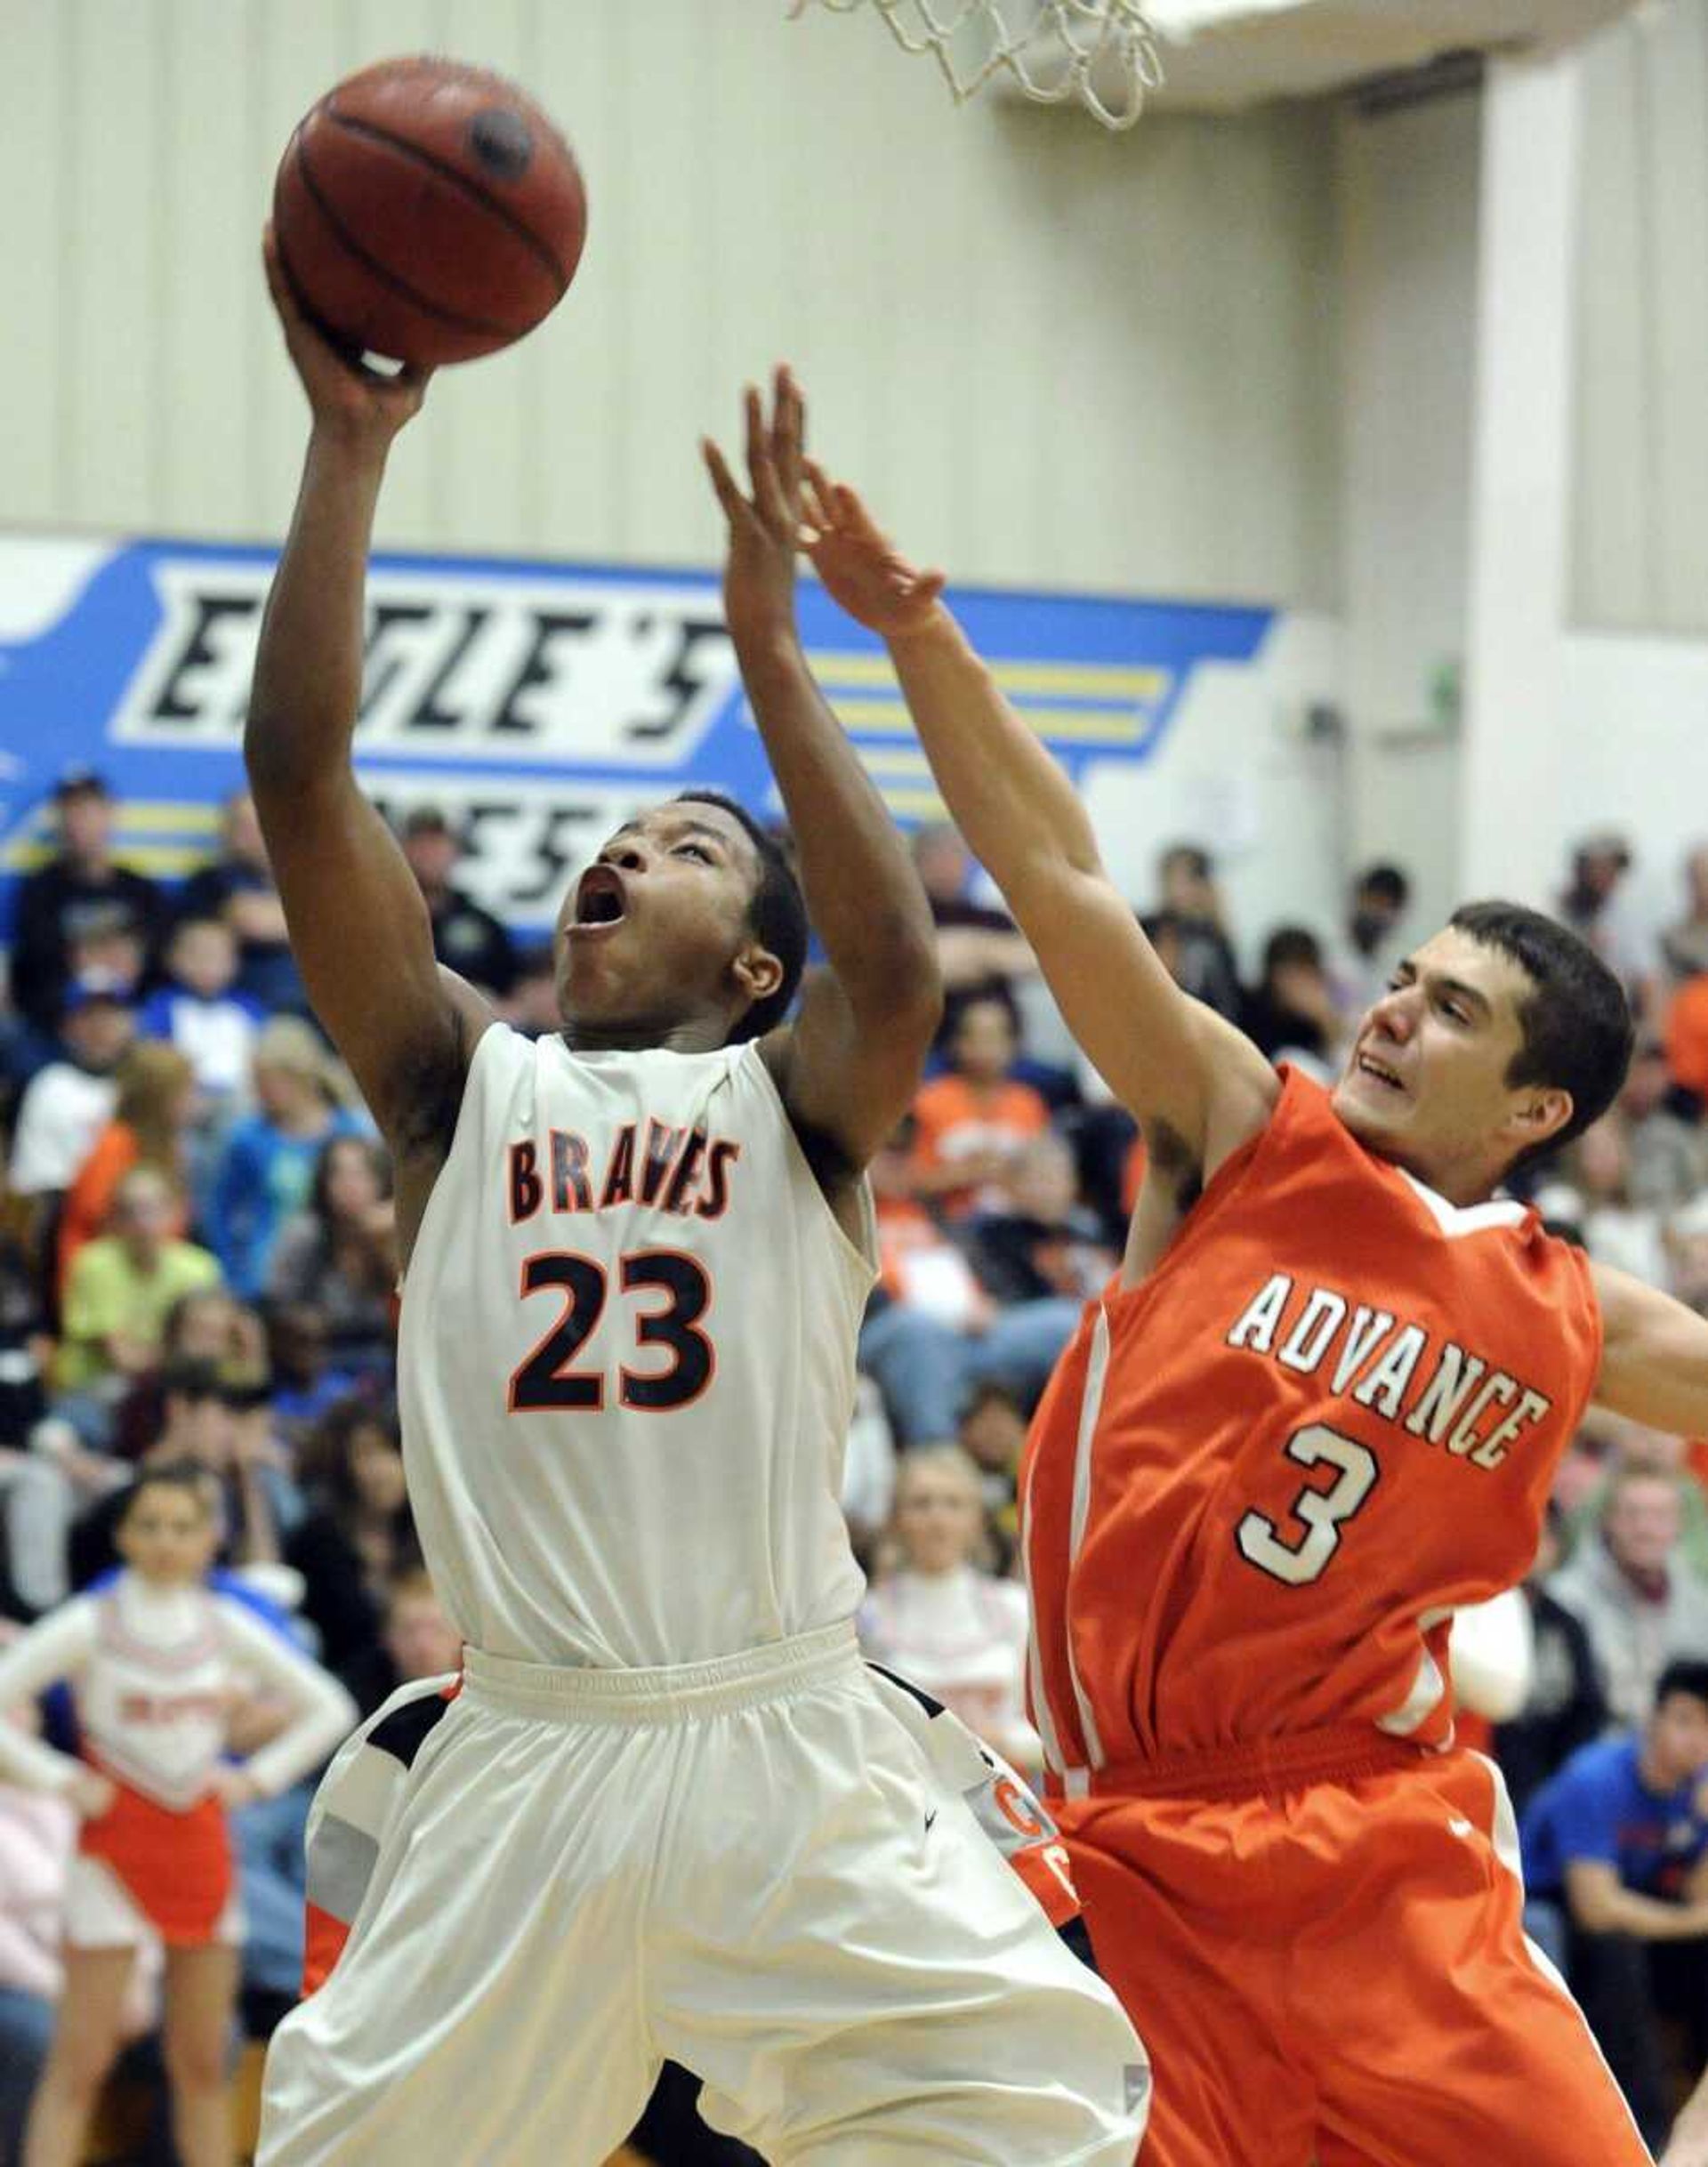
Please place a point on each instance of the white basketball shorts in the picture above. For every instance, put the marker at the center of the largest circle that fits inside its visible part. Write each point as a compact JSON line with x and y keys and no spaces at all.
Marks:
{"x":747,"y":1866}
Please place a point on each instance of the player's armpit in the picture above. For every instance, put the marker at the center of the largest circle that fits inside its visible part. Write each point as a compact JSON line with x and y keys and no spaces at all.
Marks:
{"x":847,"y":1078}
{"x":1654,"y":1356}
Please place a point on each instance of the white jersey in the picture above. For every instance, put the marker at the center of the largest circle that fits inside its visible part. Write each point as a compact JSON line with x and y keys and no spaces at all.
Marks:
{"x":626,"y":1361}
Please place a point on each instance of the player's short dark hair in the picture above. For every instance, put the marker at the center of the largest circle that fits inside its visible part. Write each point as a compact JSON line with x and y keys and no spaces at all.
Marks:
{"x":1684,"y":1674}
{"x":1577,"y":1024}
{"x":778,"y":915}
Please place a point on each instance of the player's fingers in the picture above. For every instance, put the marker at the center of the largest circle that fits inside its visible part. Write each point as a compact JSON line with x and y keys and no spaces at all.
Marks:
{"x":770,"y":503}
{"x":761,"y":469}
{"x":277,"y":285}
{"x":852,"y":514}
{"x":723,"y":481}
{"x":815,"y":496}
{"x":752,"y":413}
{"x":789,"y":430}
{"x":928,"y":586}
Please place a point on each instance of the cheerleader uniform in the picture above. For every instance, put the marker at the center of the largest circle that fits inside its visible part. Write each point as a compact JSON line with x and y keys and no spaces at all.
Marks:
{"x":153,"y":1672}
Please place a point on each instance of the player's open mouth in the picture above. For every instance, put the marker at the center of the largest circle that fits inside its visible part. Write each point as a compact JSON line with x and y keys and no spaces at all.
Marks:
{"x":1379,"y":1072}
{"x":601,"y":901}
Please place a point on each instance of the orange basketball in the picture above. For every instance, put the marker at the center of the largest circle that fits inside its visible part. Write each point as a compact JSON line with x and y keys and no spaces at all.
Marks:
{"x":428,"y":212}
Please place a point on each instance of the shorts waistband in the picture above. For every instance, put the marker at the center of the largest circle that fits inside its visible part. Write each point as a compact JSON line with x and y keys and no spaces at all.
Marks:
{"x":674,"y":1693}
{"x":1250,"y":1770}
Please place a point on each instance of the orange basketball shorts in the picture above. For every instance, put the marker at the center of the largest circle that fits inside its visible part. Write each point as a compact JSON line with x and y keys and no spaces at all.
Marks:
{"x":1333,"y":1972}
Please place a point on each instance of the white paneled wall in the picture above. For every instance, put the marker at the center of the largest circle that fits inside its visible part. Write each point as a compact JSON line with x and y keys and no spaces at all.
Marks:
{"x":1641,"y":553}
{"x":1411,"y":205}
{"x":1052,"y":356}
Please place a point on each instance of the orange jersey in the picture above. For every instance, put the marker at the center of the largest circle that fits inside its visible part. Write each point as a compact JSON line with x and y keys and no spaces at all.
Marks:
{"x":1262,"y":1481}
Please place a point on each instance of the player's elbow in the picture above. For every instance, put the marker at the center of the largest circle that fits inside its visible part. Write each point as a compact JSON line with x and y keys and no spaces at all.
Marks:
{"x":271,"y":759}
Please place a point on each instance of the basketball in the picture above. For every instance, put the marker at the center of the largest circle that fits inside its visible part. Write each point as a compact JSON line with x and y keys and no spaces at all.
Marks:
{"x":428,"y":212}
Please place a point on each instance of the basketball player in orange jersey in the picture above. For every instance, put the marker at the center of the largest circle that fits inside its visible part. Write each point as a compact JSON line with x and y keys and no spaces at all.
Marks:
{"x":1318,"y":1412}
{"x":669,"y":1813}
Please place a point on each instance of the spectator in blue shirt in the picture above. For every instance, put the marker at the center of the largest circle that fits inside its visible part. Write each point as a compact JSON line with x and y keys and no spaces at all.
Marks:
{"x":1618,"y":1841}
{"x":266,"y":1171}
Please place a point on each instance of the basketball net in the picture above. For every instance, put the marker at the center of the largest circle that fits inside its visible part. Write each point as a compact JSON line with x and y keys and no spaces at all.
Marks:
{"x":1103,"y":52}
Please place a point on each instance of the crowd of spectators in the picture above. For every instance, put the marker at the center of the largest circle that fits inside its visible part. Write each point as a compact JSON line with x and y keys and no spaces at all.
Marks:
{"x":198,"y":1263}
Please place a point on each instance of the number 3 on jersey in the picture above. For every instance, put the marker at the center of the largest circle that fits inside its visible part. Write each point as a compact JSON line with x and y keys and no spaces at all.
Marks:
{"x":1322,"y":1511}
{"x":549,"y":1382}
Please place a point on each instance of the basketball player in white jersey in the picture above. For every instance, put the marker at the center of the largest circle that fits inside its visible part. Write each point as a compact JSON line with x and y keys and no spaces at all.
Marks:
{"x":668,"y":1815}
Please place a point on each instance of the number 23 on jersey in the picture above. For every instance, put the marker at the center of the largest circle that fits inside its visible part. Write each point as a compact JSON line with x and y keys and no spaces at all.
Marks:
{"x":559,"y":1375}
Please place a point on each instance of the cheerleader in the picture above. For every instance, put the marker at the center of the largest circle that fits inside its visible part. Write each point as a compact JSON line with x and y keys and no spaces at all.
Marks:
{"x":154,"y":1661}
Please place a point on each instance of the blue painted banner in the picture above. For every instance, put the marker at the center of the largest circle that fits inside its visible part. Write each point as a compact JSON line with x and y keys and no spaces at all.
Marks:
{"x":539,"y":704}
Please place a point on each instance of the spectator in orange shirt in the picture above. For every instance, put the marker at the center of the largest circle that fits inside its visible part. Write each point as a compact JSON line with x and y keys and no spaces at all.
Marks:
{"x":972,"y":1123}
{"x":1686,"y":1036}
{"x":157,"y":1104}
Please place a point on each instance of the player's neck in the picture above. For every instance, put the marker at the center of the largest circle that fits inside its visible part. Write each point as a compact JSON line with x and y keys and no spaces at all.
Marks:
{"x":1463,"y":1184}
{"x":648,"y":1035}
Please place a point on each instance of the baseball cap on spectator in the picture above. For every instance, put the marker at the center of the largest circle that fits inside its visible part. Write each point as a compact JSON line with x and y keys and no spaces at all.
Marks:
{"x":81,"y":782}
{"x":92,"y":986}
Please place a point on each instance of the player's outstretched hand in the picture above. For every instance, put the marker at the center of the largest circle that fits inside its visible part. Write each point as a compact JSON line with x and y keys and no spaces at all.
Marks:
{"x":765,"y":519}
{"x":346,"y":397}
{"x":860,"y":567}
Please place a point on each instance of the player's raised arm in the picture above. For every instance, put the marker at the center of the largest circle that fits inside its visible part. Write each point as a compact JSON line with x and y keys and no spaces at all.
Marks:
{"x":1654,"y":1356}
{"x":1172,"y":1061}
{"x":358,"y":928}
{"x":848,"y":1065}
